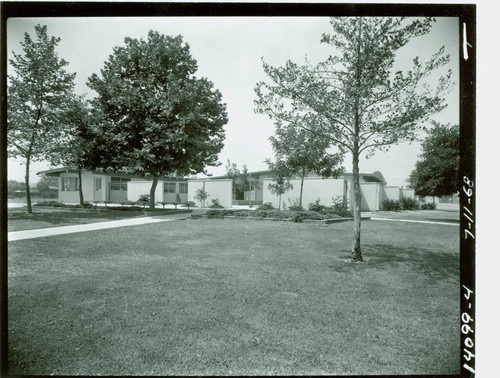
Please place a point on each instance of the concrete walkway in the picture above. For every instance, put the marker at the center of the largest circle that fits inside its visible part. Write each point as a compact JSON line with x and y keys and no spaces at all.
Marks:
{"x":414,"y":221}
{"x":43,"y":232}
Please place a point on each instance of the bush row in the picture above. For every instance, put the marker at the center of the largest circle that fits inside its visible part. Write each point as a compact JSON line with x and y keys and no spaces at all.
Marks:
{"x":406,"y":203}
{"x":295,"y":216}
{"x":339,"y":207}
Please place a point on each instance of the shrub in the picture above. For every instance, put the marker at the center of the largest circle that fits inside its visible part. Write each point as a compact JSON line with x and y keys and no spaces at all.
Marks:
{"x":391,"y":205}
{"x":339,"y":204}
{"x":316,"y":206}
{"x":293,"y":205}
{"x":143,"y":200}
{"x":408,"y":203}
{"x":428,"y":206}
{"x":216,"y":204}
{"x":50,"y":203}
{"x":266,"y":206}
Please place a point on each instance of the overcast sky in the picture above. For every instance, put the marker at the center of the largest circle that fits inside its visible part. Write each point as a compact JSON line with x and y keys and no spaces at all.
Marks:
{"x":229,"y":52}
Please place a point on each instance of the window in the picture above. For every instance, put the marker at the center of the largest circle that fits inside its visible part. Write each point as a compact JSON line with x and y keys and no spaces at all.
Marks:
{"x":69,"y":184}
{"x":169,"y":187}
{"x":119,"y":183}
{"x":98,"y":184}
{"x":183,"y":187}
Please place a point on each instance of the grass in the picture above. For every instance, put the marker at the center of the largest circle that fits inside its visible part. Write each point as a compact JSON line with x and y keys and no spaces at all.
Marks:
{"x":221,"y":297}
{"x":44,"y":217}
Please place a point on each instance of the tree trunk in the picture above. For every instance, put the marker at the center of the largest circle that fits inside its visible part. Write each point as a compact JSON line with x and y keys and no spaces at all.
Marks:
{"x":301,"y":188}
{"x":80,"y":186}
{"x":279,"y":204}
{"x":356,"y":238}
{"x":27,"y":184}
{"x":250,"y":194}
{"x":152,"y":193}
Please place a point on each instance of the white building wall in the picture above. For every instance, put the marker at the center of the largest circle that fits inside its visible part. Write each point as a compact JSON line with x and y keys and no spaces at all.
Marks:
{"x":74,"y":196}
{"x":391,"y":193}
{"x":371,"y":197}
{"x":136,"y":188}
{"x":408,"y":193}
{"x":314,"y":188}
{"x":221,"y":189}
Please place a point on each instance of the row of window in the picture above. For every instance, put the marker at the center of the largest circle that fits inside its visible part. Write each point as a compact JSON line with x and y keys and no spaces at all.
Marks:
{"x":171,"y":186}
{"x":119,"y":183}
{"x":69,"y":184}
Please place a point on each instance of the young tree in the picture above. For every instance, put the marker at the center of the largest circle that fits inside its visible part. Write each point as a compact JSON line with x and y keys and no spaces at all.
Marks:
{"x":355,"y":98}
{"x":37,"y":100}
{"x":157,"y":118}
{"x":303,"y":152}
{"x":201,"y":195}
{"x":242,"y":180}
{"x":436,"y":174}
{"x":280,"y":172}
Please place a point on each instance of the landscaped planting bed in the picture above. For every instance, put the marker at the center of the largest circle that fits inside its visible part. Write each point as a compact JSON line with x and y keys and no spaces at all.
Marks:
{"x":284,"y":215}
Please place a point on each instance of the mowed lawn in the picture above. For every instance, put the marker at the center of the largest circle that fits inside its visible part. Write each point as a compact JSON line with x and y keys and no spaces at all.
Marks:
{"x":47,"y":217}
{"x":236,"y":297}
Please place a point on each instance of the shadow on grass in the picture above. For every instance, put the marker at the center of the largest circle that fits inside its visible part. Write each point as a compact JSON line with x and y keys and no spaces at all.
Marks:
{"x":435,"y":265}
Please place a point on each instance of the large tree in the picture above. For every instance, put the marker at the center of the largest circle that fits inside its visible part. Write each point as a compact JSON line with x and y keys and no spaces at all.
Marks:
{"x":157,"y":117}
{"x":78,"y":147}
{"x":304,"y":152}
{"x":436,"y":173}
{"x":356,"y":98}
{"x":37,"y":100}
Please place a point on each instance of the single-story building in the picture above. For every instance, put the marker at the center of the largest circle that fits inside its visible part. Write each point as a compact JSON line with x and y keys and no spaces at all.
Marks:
{"x":122,"y":186}
{"x":115,"y":187}
{"x":373,"y":191}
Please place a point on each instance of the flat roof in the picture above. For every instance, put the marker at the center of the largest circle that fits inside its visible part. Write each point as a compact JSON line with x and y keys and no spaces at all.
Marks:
{"x":57,"y":171}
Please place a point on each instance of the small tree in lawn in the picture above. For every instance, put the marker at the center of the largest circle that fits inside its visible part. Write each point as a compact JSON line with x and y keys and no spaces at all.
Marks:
{"x":436,"y":173}
{"x":303,"y":152}
{"x":242,"y":179}
{"x":201,"y":195}
{"x":157,"y":117}
{"x":37,"y":100}
{"x":280,"y":172}
{"x":356,"y":98}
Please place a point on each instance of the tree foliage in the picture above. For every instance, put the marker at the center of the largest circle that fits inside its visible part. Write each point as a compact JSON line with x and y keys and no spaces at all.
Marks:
{"x":157,"y":117}
{"x":242,"y":180}
{"x":77,"y":145}
{"x":304,"y":152}
{"x":356,"y":99}
{"x":13,"y":186}
{"x":281,"y":173}
{"x":436,"y":173}
{"x":38,"y":93}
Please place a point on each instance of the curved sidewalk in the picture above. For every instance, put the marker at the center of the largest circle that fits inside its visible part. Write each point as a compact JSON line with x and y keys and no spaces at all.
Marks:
{"x":43,"y":232}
